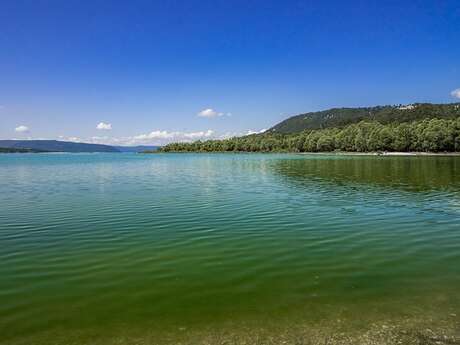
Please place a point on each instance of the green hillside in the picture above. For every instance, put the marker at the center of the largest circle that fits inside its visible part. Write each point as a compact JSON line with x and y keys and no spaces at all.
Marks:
{"x":341,"y":117}
{"x":415,"y":128}
{"x":434,"y":135}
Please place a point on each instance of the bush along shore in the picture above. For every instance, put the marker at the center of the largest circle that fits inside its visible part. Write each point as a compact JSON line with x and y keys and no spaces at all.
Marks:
{"x":430,"y":135}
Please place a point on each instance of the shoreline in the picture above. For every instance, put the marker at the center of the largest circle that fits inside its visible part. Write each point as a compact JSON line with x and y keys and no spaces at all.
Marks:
{"x":326,"y":153}
{"x":381,"y":333}
{"x":341,"y":153}
{"x":329,"y":153}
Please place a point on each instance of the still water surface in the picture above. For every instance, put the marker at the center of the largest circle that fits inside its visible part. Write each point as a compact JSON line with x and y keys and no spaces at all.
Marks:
{"x":100,"y":246}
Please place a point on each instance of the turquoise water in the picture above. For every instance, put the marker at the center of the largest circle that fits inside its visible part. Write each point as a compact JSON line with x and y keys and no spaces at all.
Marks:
{"x":100,"y":247}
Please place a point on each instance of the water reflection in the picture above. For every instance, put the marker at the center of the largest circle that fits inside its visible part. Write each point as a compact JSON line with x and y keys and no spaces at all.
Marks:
{"x":407,"y":173}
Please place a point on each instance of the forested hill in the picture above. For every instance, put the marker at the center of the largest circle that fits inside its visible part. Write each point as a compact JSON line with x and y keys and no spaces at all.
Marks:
{"x":416,"y":127}
{"x":55,"y":146}
{"x":428,"y":135}
{"x":341,"y":117}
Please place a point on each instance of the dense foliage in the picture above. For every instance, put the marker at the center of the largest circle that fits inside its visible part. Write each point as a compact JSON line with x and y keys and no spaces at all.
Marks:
{"x":340,"y":117}
{"x":434,"y":135}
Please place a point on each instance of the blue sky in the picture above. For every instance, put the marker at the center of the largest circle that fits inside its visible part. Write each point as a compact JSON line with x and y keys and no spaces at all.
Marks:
{"x":144,"y":71}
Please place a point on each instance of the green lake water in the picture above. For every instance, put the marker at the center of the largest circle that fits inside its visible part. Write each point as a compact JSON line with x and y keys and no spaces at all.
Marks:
{"x":134,"y":249}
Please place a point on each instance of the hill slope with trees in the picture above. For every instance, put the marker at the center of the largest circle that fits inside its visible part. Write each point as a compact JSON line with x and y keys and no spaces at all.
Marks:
{"x":341,"y":117}
{"x":421,"y":128}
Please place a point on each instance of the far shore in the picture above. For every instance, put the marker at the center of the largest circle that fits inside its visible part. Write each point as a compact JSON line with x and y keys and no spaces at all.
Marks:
{"x":383,"y":153}
{"x":338,"y":153}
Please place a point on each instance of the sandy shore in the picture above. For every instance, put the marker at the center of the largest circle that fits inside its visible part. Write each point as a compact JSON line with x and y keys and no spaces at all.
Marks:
{"x":376,"y":334}
{"x":383,"y":153}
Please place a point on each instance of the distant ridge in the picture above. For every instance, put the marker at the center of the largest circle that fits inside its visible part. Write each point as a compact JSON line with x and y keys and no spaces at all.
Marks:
{"x":55,"y":146}
{"x":341,"y":117}
{"x":14,"y":150}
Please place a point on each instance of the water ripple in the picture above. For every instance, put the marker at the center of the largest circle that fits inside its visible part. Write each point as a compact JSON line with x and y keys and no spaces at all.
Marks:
{"x":142,"y":237}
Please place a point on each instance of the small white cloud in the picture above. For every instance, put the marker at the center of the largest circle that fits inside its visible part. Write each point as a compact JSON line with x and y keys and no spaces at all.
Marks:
{"x":455,"y":93}
{"x":104,"y":126}
{"x":209,"y":113}
{"x":249,"y":132}
{"x":407,"y":107}
{"x":199,"y":135}
{"x":22,"y":129}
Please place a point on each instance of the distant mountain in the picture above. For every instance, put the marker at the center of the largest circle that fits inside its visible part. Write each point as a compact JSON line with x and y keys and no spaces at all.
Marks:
{"x":341,"y":117}
{"x":56,"y":146}
{"x":140,"y":148}
{"x":14,"y":150}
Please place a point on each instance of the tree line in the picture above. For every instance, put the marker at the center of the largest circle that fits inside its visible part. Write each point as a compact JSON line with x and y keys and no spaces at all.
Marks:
{"x":429,"y":135}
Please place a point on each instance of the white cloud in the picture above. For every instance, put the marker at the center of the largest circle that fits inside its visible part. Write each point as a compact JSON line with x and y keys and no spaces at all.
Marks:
{"x":210,"y":113}
{"x":104,"y":126}
{"x":22,"y":129}
{"x":455,"y":93}
{"x":158,"y":137}
{"x":249,"y":132}
{"x":165,"y":136}
{"x":199,"y":135}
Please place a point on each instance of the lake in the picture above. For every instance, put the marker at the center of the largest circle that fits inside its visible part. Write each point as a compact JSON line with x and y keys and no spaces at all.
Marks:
{"x":227,"y":248}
